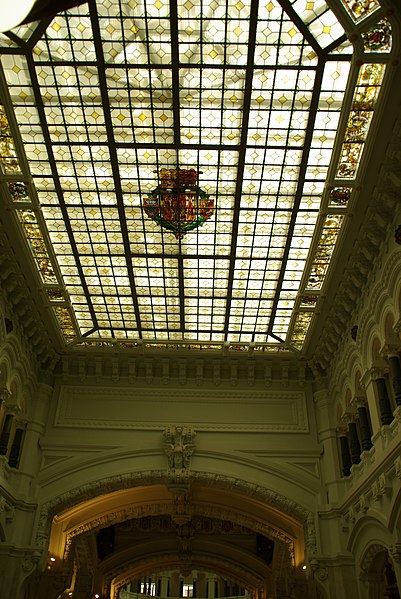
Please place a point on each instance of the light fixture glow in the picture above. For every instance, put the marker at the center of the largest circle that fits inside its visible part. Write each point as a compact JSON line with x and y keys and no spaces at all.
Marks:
{"x":52,"y":559}
{"x":303,"y":567}
{"x":12,"y":16}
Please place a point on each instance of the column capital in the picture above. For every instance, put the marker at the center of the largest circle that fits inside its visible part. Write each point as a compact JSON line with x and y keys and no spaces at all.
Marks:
{"x":12,"y":408}
{"x":5,"y":395}
{"x":342,"y":429}
{"x":321,"y":397}
{"x":395,"y":552}
{"x":390,"y":350}
{"x":360,"y":401}
{"x":349,"y":417}
{"x":376,"y":372}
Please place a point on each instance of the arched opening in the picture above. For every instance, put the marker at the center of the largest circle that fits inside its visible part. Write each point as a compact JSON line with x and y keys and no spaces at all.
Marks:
{"x":378,"y":574}
{"x":148,"y":541}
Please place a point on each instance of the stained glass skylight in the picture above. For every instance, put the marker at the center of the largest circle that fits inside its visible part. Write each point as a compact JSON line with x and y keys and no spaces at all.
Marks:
{"x":262,"y":99}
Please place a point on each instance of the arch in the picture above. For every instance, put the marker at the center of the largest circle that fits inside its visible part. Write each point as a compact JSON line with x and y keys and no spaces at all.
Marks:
{"x":368,"y":530}
{"x":3,"y":332}
{"x":377,"y":573}
{"x":251,"y":575}
{"x":15,"y":391}
{"x":381,"y":314}
{"x":358,"y":388}
{"x":369,"y":537}
{"x":17,"y":374}
{"x":375,"y":346}
{"x":339,"y":413}
{"x":5,"y":369}
{"x":17,"y":357}
{"x":87,"y":510}
{"x":388,"y":324}
{"x":346,"y":374}
{"x":348,"y":398}
{"x":220,"y":502}
{"x":394,"y":520}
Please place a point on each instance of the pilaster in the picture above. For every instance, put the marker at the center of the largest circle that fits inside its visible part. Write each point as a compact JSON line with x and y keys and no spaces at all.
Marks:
{"x":201,"y":584}
{"x":337,"y":576}
{"x":394,"y":551}
{"x":31,"y":453}
{"x":175,"y":584}
{"x":327,"y":435}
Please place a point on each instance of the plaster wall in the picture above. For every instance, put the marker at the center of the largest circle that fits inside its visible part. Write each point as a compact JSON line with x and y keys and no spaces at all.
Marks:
{"x":262,"y":436}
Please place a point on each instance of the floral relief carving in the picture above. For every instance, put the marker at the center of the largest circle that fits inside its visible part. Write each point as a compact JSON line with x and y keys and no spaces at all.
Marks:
{"x":384,"y":484}
{"x":310,"y":535}
{"x":397,"y":467}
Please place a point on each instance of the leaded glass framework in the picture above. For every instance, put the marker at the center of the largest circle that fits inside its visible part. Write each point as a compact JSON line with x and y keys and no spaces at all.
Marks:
{"x":262,"y":99}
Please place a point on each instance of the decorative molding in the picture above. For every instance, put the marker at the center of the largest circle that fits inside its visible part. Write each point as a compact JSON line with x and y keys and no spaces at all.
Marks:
{"x":98,"y":407}
{"x":369,"y":557}
{"x":373,"y":481}
{"x":186,"y":368}
{"x":5,"y":397}
{"x":164,"y":524}
{"x":366,"y":259}
{"x":178,"y":446}
{"x":122,"y":573}
{"x":108,"y":485}
{"x":34,"y":336}
{"x":321,"y":574}
{"x":342,"y":373}
{"x":7,"y":511}
{"x":395,"y":552}
{"x":182,"y":512}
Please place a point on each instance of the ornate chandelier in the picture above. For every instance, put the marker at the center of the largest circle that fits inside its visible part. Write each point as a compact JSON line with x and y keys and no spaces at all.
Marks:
{"x":178,"y":204}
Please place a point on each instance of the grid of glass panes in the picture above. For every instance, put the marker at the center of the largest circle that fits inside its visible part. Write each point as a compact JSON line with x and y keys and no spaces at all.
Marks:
{"x":320,"y":20}
{"x":109,"y":131}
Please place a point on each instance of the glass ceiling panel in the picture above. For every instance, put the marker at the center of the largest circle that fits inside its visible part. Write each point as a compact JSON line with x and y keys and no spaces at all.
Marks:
{"x":359,"y":9}
{"x":192,"y":165}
